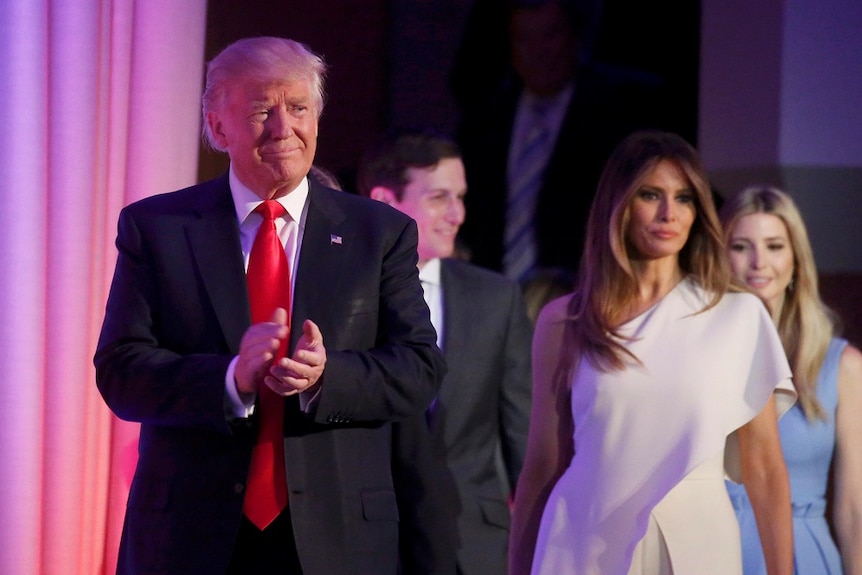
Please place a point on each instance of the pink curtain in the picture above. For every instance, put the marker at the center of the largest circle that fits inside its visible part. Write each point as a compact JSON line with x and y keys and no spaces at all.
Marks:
{"x":99,"y":106}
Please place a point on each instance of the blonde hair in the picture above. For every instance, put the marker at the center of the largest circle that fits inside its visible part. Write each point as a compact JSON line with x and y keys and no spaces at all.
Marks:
{"x":806,"y":325}
{"x":606,"y":282}
{"x":264,"y":58}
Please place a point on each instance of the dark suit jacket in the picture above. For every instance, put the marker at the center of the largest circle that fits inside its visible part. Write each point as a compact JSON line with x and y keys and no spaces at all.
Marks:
{"x":177,"y":309}
{"x":483,"y":406}
{"x":608,"y":104}
{"x":427,"y":527}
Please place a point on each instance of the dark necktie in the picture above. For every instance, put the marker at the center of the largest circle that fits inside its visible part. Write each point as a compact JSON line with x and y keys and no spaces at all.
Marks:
{"x":529,"y":166}
{"x":268,"y":279}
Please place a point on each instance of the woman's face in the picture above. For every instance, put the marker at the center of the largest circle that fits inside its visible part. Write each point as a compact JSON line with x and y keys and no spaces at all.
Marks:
{"x":661,"y":213}
{"x":761,"y":256}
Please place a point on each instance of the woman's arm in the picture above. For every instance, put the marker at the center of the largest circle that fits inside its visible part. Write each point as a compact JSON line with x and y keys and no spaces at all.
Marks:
{"x":764,"y":474}
{"x":847,"y":488}
{"x":550,"y":440}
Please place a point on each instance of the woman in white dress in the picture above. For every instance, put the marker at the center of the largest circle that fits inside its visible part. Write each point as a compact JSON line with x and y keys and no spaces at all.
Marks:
{"x":652,"y":381}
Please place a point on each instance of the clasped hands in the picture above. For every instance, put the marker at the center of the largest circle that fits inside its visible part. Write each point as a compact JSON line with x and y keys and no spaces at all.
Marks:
{"x":289,"y":375}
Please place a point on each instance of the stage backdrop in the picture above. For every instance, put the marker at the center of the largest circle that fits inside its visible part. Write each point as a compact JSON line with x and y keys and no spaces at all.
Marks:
{"x":99,"y":106}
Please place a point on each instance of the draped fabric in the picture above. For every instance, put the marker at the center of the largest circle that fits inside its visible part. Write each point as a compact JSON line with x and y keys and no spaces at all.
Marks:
{"x":643,"y":433}
{"x":808,"y":448}
{"x":100,"y":107}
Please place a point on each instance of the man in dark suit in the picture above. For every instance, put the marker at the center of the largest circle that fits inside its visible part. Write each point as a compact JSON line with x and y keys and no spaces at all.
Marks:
{"x":483,"y":408}
{"x":179,"y":353}
{"x":529,"y":205}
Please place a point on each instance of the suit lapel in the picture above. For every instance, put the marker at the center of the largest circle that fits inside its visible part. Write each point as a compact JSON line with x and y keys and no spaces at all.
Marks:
{"x":456,"y":317}
{"x":212,"y":234}
{"x":323,"y":260}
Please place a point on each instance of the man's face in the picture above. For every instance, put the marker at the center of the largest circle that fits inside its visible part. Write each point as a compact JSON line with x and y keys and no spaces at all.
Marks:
{"x":269,"y":130}
{"x":544,"y":48}
{"x":435,"y":199}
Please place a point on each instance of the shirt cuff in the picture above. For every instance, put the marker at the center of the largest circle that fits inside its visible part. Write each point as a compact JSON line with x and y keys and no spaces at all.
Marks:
{"x":234,"y":406}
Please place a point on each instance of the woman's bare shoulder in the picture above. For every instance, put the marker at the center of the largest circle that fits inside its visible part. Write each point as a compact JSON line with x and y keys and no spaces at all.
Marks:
{"x":850,"y":367}
{"x":555,"y":310}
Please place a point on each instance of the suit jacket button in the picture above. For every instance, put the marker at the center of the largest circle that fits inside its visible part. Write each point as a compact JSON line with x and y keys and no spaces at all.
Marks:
{"x":238,"y":488}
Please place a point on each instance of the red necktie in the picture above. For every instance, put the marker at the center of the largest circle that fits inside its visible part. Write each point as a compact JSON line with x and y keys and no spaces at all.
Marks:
{"x":268,"y":279}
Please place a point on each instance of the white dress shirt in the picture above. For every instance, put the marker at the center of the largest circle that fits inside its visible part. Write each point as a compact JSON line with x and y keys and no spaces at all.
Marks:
{"x":429,"y":275}
{"x":290,"y":230}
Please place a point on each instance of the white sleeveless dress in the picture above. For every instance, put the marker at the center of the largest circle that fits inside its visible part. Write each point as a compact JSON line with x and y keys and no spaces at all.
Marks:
{"x":645,"y":493}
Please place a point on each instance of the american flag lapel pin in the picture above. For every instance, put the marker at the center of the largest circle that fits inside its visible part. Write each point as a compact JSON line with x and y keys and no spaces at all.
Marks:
{"x":333,"y":239}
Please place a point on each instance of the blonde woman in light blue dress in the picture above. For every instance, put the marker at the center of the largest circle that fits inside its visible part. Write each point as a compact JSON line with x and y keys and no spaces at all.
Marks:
{"x":821,"y":436}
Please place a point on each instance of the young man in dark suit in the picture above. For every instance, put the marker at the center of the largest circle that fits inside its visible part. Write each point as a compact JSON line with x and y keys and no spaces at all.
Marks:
{"x":483,"y":408}
{"x":180,"y":353}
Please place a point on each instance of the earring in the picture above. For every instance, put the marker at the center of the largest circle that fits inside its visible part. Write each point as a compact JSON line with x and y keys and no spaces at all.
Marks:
{"x":790,"y":286}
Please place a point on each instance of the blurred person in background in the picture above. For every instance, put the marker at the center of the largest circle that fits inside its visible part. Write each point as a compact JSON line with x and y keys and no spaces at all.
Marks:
{"x":535,"y":145}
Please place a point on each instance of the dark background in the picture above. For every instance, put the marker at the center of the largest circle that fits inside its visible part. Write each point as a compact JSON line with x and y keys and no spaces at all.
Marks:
{"x":390,"y":59}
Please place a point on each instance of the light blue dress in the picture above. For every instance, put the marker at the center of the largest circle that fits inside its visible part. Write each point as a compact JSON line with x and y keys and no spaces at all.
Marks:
{"x":808,"y":448}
